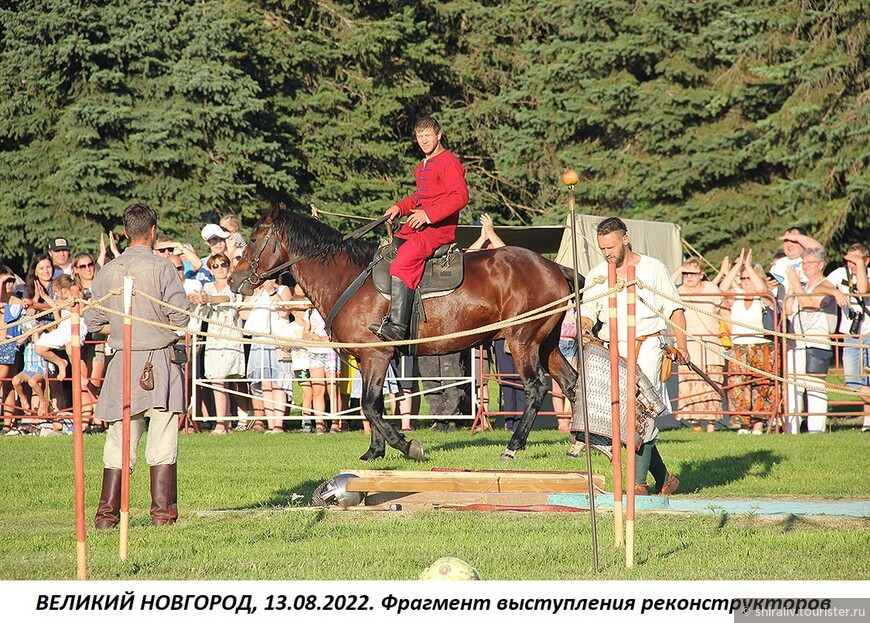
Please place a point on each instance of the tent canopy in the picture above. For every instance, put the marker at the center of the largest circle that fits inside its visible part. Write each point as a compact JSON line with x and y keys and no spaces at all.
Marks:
{"x":659,"y":240}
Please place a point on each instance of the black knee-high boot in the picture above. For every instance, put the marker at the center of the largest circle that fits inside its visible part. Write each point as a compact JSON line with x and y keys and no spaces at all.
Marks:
{"x":395,"y":325}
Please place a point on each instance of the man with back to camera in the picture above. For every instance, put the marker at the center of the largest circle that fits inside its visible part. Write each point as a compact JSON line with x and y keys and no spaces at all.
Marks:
{"x":156,"y":276}
{"x":615,"y":245}
{"x":433,"y":214}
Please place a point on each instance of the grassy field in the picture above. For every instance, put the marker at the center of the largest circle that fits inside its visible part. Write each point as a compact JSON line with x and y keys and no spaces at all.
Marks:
{"x":261,"y":533}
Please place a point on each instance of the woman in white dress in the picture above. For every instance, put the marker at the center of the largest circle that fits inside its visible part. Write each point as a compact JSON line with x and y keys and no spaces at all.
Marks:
{"x":264,"y":370}
{"x":224,"y":351}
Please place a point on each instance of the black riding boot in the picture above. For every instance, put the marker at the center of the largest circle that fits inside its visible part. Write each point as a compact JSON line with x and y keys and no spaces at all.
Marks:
{"x":395,"y":326}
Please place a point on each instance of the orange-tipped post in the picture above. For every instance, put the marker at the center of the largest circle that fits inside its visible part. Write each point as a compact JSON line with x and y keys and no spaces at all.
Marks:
{"x":618,"y":518}
{"x":78,"y":443}
{"x":630,"y":409}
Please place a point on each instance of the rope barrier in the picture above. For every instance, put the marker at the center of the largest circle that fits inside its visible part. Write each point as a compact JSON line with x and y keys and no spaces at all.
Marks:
{"x":813,"y":386}
{"x":549,"y":309}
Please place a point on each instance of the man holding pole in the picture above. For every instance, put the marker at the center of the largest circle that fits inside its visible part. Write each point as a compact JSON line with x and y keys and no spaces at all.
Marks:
{"x":615,"y":245}
{"x":161,"y":398}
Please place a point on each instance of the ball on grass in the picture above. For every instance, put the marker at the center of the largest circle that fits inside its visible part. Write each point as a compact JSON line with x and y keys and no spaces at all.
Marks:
{"x":450,"y":568}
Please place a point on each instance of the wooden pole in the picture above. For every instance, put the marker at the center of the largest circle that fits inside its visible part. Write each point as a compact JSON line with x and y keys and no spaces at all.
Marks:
{"x":125,"y":423}
{"x":630,"y":409}
{"x":570,"y":180}
{"x":616,"y":449}
{"x":78,"y":443}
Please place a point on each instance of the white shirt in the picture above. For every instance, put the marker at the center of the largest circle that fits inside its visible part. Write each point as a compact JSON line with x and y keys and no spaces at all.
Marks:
{"x":814,"y":322}
{"x":652,"y":273}
{"x":846,"y":284}
{"x":318,"y":327}
{"x":751,"y":316}
{"x":264,"y":316}
{"x":779,"y":266}
{"x":192,"y":286}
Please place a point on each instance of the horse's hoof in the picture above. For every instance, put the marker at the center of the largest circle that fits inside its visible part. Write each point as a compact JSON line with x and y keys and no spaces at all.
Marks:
{"x":508,"y":455}
{"x":371,"y":456}
{"x":415,"y":451}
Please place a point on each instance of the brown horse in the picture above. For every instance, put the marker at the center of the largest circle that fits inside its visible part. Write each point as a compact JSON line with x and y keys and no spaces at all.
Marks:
{"x":499,"y":284}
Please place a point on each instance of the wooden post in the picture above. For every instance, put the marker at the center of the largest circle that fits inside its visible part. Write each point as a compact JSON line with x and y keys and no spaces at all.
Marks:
{"x":125,"y":423}
{"x":78,"y":443}
{"x":616,"y":436}
{"x":630,"y":409}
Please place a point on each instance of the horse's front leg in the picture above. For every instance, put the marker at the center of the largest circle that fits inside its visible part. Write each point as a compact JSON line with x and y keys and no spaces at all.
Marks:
{"x":535,"y":387}
{"x":377,"y":449}
{"x":383,"y":431}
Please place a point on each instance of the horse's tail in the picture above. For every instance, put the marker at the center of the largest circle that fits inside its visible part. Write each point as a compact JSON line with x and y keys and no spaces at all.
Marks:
{"x":568,"y":274}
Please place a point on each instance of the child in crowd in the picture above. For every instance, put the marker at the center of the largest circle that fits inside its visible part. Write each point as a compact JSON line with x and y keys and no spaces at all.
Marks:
{"x":59,"y":338}
{"x":236,"y":241}
{"x":33,"y":375}
{"x":285,"y":359}
{"x":324,"y":372}
{"x":9,"y":351}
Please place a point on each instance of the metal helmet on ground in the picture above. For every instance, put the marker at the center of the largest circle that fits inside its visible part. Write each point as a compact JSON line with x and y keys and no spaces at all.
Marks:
{"x":334,"y":492}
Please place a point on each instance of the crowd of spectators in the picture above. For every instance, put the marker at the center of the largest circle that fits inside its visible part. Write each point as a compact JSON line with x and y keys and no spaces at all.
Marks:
{"x":732,"y":313}
{"x":826,"y":313}
{"x":241,"y":384}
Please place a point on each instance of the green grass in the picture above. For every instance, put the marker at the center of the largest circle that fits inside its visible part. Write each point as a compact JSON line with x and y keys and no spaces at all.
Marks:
{"x":262,"y":535}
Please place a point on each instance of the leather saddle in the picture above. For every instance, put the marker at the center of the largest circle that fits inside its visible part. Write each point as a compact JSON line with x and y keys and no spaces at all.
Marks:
{"x":443,"y":273}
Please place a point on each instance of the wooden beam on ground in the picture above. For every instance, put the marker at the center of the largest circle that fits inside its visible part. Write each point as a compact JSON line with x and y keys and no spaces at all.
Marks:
{"x":483,"y":482}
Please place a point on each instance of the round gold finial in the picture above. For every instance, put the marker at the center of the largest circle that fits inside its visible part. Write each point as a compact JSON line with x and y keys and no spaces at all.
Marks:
{"x":570,"y":177}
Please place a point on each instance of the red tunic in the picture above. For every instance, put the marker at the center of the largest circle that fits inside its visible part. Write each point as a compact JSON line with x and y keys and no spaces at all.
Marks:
{"x":441,"y":194}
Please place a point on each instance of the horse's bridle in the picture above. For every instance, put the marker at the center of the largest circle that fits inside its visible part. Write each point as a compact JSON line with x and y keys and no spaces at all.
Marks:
{"x":255,"y":278}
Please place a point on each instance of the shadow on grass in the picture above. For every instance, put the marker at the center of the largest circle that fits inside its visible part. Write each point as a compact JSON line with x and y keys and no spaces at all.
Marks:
{"x":480,"y":441}
{"x":700,"y":475}
{"x":284,"y":498}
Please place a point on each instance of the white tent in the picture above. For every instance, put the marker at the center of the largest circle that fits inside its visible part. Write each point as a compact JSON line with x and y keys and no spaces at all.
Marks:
{"x":659,"y":240}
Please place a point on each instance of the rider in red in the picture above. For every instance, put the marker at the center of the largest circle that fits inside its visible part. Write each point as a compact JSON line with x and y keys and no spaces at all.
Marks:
{"x":433,"y":213}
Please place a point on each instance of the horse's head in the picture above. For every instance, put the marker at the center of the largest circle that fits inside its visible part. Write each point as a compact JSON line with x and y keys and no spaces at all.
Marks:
{"x":263,"y":253}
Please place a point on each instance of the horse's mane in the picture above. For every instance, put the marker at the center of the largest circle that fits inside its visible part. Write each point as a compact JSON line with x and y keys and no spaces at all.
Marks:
{"x":307,"y":237}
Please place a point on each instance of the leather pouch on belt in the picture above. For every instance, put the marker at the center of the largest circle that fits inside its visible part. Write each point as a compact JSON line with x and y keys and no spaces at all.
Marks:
{"x":146,"y":379}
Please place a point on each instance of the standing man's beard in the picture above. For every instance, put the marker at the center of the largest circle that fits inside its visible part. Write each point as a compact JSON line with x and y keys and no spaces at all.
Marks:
{"x":619,"y":260}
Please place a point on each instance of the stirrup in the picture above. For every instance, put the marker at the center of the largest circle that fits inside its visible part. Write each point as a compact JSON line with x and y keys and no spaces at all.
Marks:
{"x":377,"y":329}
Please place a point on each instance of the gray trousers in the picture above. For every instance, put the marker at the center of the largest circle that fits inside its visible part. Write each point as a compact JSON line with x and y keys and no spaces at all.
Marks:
{"x":161,"y":446}
{"x":446,"y":401}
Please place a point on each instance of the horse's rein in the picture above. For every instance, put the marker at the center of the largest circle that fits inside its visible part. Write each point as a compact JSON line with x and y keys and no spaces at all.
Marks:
{"x":358,"y":233}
